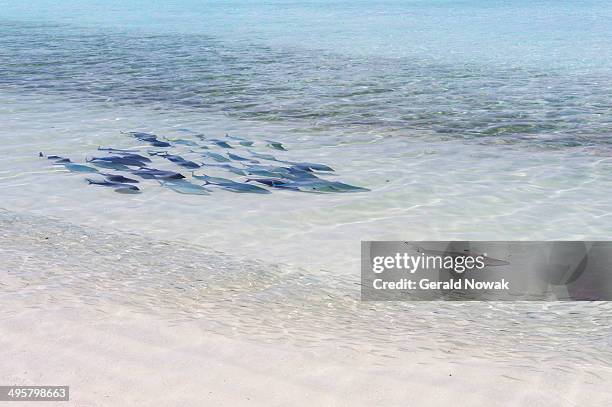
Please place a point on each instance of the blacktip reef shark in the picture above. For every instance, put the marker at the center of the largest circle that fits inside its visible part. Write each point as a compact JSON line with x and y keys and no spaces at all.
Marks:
{"x":488,"y":261}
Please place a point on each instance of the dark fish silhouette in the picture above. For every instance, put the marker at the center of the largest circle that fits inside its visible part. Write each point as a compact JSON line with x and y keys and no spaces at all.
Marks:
{"x":316,"y":185}
{"x":116,"y":150}
{"x":158,"y":143}
{"x":119,"y":187}
{"x":134,"y":156}
{"x":242,"y":141}
{"x":310,"y":166}
{"x":143,"y":136}
{"x":132,"y":160}
{"x":110,"y":165}
{"x":262,"y":172}
{"x":268,"y":157}
{"x":276,"y":145}
{"x":182,"y":141}
{"x":185,"y":187}
{"x":103,"y":183}
{"x":275,"y":183}
{"x":154,"y":173}
{"x":328,"y":186}
{"x":129,"y":189}
{"x":236,"y":157}
{"x":215,"y":156}
{"x":177,"y":159}
{"x":221,"y":143}
{"x":279,"y":172}
{"x":299,"y":174}
{"x":306,"y":166}
{"x":150,"y":138}
{"x":79,"y":168}
{"x":211,"y":180}
{"x":119,"y":178}
{"x":230,"y":185}
{"x":229,"y":167}
{"x":56,"y":158}
{"x":188,"y":164}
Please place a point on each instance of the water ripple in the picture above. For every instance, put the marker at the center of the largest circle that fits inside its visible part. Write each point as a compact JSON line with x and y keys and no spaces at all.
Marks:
{"x":50,"y":263}
{"x":318,"y":90}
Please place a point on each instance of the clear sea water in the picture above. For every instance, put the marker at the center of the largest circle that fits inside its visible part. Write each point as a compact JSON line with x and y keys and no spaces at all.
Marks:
{"x":465,"y":119}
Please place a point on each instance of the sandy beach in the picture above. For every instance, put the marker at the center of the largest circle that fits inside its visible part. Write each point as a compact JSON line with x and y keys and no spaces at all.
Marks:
{"x":127,"y":359}
{"x":121,"y":335}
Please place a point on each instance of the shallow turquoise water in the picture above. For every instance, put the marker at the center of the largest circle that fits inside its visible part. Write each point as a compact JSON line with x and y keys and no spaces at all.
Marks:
{"x":496,"y":70}
{"x":466,"y":119}
{"x":562,"y":33}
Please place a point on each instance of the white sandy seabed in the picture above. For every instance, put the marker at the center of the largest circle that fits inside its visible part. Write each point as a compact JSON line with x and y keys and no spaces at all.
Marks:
{"x":127,"y":320}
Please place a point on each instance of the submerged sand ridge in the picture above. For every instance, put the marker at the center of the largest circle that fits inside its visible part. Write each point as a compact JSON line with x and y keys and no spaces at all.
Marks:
{"x":108,"y":312}
{"x":54,"y":265}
